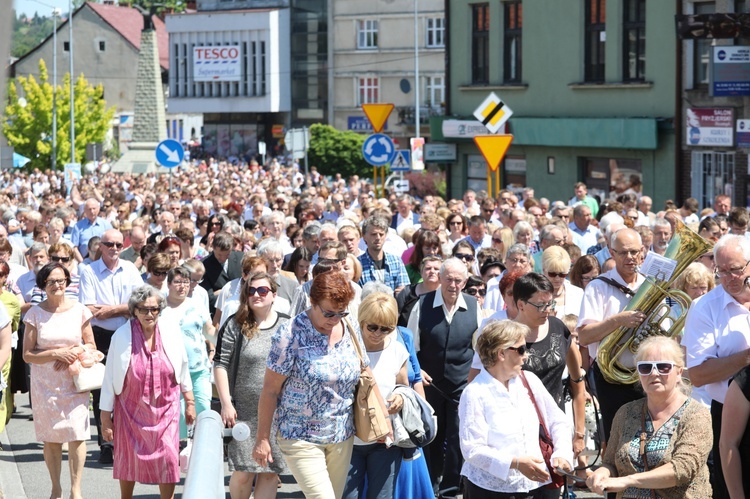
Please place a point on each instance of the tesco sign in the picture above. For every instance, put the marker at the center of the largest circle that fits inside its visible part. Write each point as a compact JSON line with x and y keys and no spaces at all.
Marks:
{"x":218,"y":63}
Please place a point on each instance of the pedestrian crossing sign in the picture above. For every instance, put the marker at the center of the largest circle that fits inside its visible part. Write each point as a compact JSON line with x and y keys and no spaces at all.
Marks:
{"x":401,"y":162}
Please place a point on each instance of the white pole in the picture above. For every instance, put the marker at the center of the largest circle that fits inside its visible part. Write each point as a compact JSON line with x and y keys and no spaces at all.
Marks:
{"x":54,"y":89}
{"x":416,"y":67}
{"x":72,"y":83}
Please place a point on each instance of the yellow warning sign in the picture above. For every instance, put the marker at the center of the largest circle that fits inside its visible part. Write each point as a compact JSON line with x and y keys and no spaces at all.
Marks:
{"x":377,"y":114}
{"x":493,"y":148}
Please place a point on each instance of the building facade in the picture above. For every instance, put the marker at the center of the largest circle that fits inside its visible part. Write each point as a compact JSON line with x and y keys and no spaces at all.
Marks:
{"x":374,"y":61}
{"x":591,"y":84}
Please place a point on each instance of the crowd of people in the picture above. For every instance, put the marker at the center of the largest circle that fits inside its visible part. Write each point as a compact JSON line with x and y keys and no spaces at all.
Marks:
{"x":267,"y":294}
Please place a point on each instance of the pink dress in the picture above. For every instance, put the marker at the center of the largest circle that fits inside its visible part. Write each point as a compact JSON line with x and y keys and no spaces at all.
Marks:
{"x":60,"y":414}
{"x":147,"y":416}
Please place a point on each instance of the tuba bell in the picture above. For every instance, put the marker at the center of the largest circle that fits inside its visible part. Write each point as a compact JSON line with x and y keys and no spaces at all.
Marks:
{"x":665,"y":309}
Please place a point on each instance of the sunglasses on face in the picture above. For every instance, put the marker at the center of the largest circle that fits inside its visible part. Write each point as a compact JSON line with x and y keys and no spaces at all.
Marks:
{"x":465,"y":257}
{"x":329,"y":315}
{"x":543,"y":307}
{"x":159,"y":273}
{"x":497,"y":241}
{"x":645,"y":368}
{"x":475,"y":291}
{"x":557,"y":274}
{"x":374,"y":328}
{"x":112,"y":244}
{"x":519,"y":350}
{"x":261,"y":290}
{"x":148,"y":310}
{"x":63,"y":259}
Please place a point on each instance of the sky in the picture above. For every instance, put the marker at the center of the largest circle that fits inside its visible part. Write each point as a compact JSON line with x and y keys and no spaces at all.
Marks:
{"x":43,"y":7}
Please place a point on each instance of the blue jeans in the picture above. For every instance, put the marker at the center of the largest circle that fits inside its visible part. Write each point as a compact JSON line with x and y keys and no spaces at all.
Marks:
{"x":202,"y":393}
{"x":377,"y":465}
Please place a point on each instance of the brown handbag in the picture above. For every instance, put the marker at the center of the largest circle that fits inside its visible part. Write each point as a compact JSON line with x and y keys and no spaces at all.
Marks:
{"x":370,"y":423}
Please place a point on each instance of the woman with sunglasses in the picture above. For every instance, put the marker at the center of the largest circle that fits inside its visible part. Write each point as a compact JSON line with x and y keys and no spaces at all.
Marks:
{"x":476,"y":287}
{"x":147,"y":370}
{"x":309,"y":383}
{"x":158,"y":266}
{"x":499,"y":424}
{"x":551,"y":347}
{"x":659,"y":444}
{"x":455,"y":224}
{"x":464,"y":251}
{"x":243,"y":345}
{"x":377,"y":461}
{"x":556,"y":268}
{"x":214,"y":226}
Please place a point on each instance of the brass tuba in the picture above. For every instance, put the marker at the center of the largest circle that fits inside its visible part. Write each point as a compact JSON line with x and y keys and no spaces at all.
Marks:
{"x":616,"y":350}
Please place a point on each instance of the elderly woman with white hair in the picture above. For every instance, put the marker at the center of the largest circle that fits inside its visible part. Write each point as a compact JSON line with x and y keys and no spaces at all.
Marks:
{"x":272,"y":252}
{"x":523,"y":233}
{"x":147,"y":369}
{"x":556,"y":267}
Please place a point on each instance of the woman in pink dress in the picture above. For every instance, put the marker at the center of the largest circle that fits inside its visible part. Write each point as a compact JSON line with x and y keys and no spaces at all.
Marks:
{"x":147,"y":368}
{"x":53,"y":329}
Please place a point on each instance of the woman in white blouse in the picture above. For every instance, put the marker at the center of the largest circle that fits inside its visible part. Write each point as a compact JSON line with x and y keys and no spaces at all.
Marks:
{"x":499,"y":427}
{"x":556,"y":266}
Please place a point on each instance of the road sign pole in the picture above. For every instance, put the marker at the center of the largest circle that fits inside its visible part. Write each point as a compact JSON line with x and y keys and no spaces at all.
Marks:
{"x":305,"y":142}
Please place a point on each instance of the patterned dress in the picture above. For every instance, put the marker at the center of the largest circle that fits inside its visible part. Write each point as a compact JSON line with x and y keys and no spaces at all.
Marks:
{"x":146,"y":416}
{"x":60,"y":413}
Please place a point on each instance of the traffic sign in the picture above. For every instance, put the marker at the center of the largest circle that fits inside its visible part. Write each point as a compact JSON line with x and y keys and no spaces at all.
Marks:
{"x":401,"y":162}
{"x":493,"y":148}
{"x":417,"y":153}
{"x":377,"y":114}
{"x":378,"y":149}
{"x":169,"y":153}
{"x":493,"y":113}
{"x":401,"y":185}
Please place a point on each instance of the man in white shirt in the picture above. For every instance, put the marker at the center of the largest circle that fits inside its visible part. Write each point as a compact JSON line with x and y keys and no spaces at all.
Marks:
{"x":717,"y":337}
{"x":602,"y":313}
{"x":585,"y":235}
{"x":662,"y":233}
{"x":405,"y":218}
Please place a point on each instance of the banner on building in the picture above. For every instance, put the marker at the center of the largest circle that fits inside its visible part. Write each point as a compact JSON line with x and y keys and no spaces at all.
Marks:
{"x":743,"y":133}
{"x":730,"y":71}
{"x":218,"y":63}
{"x":710,"y":127}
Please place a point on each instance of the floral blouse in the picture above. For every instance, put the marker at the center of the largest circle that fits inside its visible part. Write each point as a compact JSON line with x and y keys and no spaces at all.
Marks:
{"x":315,"y":404}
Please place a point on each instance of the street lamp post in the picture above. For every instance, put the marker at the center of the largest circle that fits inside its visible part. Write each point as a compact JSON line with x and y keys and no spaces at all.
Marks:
{"x":72,"y":83}
{"x":55,"y":13}
{"x":416,"y":66}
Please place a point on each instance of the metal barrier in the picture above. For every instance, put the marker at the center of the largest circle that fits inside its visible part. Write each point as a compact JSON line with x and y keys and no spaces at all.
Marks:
{"x":205,"y":474}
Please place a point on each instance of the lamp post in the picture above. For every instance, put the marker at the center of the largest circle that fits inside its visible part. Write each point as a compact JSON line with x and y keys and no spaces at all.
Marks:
{"x":72,"y":83}
{"x":55,"y":13}
{"x":416,"y":67}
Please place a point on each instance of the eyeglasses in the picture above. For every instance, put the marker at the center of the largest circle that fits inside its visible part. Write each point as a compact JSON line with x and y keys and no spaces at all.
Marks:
{"x":329,"y":315}
{"x":456,"y":223}
{"x":498,"y":241}
{"x":488,"y":211}
{"x":148,"y":310}
{"x":261,"y":290}
{"x":159,"y":273}
{"x":465,"y":257}
{"x":56,"y":282}
{"x":215,"y":224}
{"x":196,"y":281}
{"x":732,"y":272}
{"x":543,"y":307}
{"x":645,"y":368}
{"x":519,"y":350}
{"x":181,"y":283}
{"x":557,"y":274}
{"x":112,"y":244}
{"x":63,"y":259}
{"x":518,"y":261}
{"x":475,"y":291}
{"x":630,"y":253}
{"x":374,"y":328}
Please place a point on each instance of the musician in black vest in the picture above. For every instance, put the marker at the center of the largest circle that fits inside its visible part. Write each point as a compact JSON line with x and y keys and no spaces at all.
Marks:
{"x":443,"y":323}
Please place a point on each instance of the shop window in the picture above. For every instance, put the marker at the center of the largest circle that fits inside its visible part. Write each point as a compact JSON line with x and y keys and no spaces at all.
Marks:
{"x":610,"y":177}
{"x":712,"y":174}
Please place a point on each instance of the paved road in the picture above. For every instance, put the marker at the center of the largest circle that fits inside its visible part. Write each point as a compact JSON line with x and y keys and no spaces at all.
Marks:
{"x":23,"y":473}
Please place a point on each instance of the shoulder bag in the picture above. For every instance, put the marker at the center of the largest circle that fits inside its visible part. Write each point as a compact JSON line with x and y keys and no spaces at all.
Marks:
{"x":545,"y":441}
{"x":370,"y":423}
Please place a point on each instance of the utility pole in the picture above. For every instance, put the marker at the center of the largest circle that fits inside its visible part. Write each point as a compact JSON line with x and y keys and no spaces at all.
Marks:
{"x":72,"y":85}
{"x":55,"y":13}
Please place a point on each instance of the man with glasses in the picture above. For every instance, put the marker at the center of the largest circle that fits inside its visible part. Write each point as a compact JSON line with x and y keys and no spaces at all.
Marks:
{"x":444,"y":322}
{"x":602,"y":313}
{"x":716,"y":334}
{"x":105,"y":288}
{"x":89,"y":226}
{"x":339,"y":210}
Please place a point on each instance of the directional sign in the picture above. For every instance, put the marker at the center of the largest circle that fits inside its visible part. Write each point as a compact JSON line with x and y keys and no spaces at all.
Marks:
{"x":169,"y":153}
{"x":378,"y":149}
{"x":493,"y":148}
{"x":401,"y":185}
{"x":377,"y":114}
{"x":493,"y":113}
{"x":401,"y":162}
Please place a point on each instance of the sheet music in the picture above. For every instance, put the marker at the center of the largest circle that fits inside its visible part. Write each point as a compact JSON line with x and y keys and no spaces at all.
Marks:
{"x":658,"y":267}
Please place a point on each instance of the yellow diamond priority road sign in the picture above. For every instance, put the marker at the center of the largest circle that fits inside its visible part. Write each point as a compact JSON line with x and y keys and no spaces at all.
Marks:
{"x":493,"y":113}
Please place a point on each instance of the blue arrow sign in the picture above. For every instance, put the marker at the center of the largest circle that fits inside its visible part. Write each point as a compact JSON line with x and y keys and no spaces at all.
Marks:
{"x":401,"y":161}
{"x":378,"y":149}
{"x":169,"y":153}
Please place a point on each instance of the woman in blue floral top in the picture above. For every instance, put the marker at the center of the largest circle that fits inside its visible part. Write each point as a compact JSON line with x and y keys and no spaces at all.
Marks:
{"x":311,"y":374}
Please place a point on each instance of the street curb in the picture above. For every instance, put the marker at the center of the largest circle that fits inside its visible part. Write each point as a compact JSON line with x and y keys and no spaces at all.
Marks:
{"x":11,"y":486}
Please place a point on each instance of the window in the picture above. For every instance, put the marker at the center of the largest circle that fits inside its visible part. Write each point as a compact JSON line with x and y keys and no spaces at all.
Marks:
{"x":367,"y":34}
{"x":66,"y":46}
{"x":712,"y":174}
{"x":101,"y":45}
{"x":436,"y":32}
{"x":604,"y":175}
{"x":480,"y":39}
{"x":435,"y":91}
{"x":368,"y":91}
{"x":596,"y":36}
{"x":634,"y":40}
{"x":702,"y":48}
{"x":512,"y":41}
{"x":742,"y":6}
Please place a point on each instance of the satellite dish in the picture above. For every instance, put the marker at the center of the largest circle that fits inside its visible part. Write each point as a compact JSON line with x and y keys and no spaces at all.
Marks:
{"x":405,"y":85}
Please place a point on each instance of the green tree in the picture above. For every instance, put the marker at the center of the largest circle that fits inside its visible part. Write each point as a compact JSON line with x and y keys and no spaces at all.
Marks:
{"x":27,"y":123}
{"x":334,"y":151}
